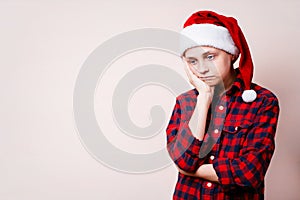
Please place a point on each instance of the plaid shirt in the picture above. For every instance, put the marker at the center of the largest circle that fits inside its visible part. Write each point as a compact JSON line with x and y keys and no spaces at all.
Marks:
{"x":239,"y":142}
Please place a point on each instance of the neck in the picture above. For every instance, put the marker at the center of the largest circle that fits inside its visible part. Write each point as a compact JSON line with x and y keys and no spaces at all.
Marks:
{"x":227,"y":83}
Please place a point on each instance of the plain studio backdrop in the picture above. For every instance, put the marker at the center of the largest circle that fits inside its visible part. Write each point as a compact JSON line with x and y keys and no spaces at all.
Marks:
{"x":43,"y":46}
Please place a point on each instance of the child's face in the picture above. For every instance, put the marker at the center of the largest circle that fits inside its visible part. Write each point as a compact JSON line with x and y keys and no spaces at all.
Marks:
{"x":211,"y":65}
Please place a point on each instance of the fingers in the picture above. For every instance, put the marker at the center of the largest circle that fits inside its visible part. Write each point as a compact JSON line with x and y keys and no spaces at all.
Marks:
{"x":194,"y":80}
{"x":200,"y":85}
{"x":187,"y":71}
{"x":192,"y":77}
{"x":195,"y":72}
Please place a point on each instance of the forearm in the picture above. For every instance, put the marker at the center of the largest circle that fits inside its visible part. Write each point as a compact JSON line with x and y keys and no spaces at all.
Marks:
{"x":205,"y":171}
{"x":182,"y":146}
{"x":197,"y":122}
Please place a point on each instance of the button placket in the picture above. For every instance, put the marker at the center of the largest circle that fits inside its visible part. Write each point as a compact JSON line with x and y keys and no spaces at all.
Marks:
{"x":221,"y":108}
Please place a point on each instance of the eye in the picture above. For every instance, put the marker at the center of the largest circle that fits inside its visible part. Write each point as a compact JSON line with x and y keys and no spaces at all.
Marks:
{"x":193,"y":62}
{"x":210,"y":57}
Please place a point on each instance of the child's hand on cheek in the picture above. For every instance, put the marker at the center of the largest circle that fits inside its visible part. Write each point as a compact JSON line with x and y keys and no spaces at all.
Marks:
{"x":201,"y":86}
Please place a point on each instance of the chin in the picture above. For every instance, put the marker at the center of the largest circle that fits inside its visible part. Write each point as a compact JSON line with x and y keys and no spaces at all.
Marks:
{"x":211,"y":83}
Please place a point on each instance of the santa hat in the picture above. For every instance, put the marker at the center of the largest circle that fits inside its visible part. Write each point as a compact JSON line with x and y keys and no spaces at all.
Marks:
{"x":208,"y":28}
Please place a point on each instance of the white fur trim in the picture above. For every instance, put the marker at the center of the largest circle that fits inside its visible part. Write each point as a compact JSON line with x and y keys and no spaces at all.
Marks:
{"x":207,"y":35}
{"x":249,"y":95}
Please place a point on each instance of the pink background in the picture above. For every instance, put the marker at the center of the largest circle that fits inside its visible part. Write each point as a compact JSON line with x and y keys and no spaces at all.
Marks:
{"x":43,"y":45}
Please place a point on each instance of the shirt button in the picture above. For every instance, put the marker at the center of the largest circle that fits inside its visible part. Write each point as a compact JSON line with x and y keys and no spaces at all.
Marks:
{"x":221,"y":107}
{"x":209,"y":184}
{"x":236,"y":128}
{"x":216,"y":131}
{"x":212,"y":157}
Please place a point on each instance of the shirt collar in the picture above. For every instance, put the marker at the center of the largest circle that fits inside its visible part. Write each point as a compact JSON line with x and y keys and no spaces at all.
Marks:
{"x":238,"y":84}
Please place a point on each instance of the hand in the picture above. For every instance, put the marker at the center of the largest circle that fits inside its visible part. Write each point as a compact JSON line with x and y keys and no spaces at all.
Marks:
{"x":201,"y":86}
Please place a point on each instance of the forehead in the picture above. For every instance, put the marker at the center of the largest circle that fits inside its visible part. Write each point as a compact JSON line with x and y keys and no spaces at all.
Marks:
{"x":200,"y":50}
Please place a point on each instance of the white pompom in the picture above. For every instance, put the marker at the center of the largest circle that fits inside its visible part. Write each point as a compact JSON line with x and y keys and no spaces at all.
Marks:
{"x":249,"y":95}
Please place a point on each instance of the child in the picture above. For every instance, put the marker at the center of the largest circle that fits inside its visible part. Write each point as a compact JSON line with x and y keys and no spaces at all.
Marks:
{"x":226,"y":155}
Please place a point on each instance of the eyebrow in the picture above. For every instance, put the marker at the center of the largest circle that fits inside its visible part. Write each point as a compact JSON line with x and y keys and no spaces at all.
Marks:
{"x":203,"y":54}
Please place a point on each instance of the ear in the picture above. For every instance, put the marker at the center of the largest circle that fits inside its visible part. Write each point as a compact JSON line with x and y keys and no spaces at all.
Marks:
{"x":234,"y":58}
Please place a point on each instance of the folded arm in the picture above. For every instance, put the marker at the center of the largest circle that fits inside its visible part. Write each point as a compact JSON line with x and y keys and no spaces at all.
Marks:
{"x":183,"y":144}
{"x":249,"y":169}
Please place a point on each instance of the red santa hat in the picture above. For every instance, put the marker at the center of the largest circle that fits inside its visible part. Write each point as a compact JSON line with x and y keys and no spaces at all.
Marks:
{"x":207,"y":28}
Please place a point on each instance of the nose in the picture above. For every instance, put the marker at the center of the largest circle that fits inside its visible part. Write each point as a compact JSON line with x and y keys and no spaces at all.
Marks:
{"x":202,"y":68}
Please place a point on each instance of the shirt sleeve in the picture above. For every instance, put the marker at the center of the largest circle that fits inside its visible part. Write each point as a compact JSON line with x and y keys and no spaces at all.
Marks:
{"x":249,"y":169}
{"x":182,"y":146}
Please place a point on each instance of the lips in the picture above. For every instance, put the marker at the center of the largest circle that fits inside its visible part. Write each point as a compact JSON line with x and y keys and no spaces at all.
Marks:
{"x":207,"y":77}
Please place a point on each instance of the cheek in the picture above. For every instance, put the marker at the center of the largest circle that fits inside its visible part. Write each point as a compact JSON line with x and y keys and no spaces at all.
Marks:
{"x":219,"y":68}
{"x":194,"y":70}
{"x":223,"y":67}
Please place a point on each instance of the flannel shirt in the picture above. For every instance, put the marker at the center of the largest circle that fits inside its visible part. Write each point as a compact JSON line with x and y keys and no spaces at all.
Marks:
{"x":239,"y":141}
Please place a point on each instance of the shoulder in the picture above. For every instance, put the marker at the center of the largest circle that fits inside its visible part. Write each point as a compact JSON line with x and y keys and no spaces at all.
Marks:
{"x":187,"y":100}
{"x":264,"y":95}
{"x":190,"y":95}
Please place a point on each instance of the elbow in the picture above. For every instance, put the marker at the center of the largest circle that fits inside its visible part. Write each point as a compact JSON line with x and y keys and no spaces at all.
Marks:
{"x":243,"y":183}
{"x":182,"y":160}
{"x":187,"y":163}
{"x":250,"y":180}
{"x":235,"y":174}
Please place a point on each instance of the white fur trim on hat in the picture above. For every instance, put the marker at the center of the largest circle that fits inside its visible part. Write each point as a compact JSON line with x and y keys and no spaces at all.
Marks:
{"x":249,"y":95}
{"x":207,"y":35}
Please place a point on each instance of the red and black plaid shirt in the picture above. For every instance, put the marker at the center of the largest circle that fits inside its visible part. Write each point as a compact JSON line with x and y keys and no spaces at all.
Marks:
{"x":239,"y":142}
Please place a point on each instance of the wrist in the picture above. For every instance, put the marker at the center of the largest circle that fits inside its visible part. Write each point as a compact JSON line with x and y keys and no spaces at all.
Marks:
{"x":204,"y":99}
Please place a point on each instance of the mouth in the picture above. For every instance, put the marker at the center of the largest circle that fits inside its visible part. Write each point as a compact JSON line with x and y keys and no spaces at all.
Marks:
{"x":206,"y":77}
